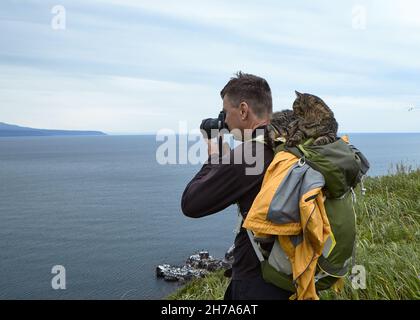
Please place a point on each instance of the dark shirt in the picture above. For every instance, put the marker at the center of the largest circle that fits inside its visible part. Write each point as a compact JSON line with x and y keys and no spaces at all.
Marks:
{"x":217,"y":186}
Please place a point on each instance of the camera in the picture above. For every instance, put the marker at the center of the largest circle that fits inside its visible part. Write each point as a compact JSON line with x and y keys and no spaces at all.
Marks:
{"x":212,"y":127}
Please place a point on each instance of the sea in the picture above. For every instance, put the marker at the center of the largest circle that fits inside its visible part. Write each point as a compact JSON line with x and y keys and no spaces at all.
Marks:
{"x":105,"y":212}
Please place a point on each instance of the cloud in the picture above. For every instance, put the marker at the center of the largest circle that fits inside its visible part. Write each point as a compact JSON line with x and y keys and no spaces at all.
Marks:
{"x":124,"y":65}
{"x":110,"y":103}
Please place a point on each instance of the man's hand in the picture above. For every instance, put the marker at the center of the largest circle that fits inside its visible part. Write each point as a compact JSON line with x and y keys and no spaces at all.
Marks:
{"x":213,"y":147}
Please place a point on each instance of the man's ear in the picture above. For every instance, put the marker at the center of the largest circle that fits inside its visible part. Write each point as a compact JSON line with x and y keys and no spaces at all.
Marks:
{"x":244,"y":110}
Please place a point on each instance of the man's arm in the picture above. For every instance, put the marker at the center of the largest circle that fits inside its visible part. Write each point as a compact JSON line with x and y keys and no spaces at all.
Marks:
{"x":215,"y":187}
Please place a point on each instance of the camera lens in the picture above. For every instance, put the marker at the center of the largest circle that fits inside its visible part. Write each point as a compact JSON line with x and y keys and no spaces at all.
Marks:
{"x":210,"y":127}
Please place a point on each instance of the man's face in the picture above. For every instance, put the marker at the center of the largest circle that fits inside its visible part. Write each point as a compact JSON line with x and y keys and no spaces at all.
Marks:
{"x":233,"y":118}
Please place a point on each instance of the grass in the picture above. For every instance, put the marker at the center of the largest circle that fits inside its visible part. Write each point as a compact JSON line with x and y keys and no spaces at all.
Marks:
{"x":388,"y":244}
{"x":212,"y":287}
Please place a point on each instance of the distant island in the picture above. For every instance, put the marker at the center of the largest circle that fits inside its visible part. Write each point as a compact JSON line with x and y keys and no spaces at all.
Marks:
{"x":9,"y":130}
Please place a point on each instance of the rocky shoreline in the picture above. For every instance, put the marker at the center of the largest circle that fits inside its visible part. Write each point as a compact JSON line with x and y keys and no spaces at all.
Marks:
{"x":196,"y":266}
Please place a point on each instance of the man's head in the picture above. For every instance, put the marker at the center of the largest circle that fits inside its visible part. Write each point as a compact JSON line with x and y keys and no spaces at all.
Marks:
{"x":247,"y":102}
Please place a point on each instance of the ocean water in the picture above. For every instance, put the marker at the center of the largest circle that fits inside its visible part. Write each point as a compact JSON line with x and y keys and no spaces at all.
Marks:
{"x":103,"y":208}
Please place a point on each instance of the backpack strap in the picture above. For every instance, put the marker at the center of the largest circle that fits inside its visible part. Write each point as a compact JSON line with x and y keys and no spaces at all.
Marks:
{"x":255,"y":246}
{"x":295,"y":151}
{"x":250,"y":235}
{"x":299,"y":150}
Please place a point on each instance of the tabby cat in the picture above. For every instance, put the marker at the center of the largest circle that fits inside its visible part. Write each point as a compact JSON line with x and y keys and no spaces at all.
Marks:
{"x":314,"y":120}
{"x":279,"y":126}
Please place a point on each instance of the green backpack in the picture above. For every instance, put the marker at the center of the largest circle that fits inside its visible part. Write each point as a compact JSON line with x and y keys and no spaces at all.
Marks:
{"x":343,"y":168}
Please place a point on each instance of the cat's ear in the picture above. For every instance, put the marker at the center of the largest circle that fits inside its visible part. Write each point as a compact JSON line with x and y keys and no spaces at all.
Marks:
{"x":298,"y":94}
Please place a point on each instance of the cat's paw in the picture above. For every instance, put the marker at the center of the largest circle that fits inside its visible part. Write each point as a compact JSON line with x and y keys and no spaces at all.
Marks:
{"x":295,"y":139}
{"x":322,"y":141}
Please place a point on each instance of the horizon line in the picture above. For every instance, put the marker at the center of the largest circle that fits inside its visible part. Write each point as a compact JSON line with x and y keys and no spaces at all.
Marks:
{"x":177,"y":133}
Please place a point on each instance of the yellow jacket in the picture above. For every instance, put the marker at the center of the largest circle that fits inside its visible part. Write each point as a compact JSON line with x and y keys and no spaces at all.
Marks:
{"x":290,"y":206}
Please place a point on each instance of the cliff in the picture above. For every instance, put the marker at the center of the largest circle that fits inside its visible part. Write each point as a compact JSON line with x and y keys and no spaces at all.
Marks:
{"x":9,"y":130}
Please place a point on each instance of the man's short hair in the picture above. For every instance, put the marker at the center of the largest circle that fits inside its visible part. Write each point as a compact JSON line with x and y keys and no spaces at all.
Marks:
{"x":251,"y":89}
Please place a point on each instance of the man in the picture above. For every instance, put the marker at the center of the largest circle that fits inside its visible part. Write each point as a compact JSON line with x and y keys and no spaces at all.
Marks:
{"x":227,"y":179}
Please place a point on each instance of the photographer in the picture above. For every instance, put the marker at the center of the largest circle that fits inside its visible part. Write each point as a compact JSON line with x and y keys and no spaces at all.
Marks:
{"x":226,"y":179}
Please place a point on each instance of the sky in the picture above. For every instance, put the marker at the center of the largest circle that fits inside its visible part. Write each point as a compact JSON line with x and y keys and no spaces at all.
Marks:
{"x":125,"y":66}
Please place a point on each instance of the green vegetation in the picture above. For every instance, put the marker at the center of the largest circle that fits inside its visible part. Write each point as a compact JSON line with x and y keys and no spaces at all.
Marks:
{"x":388,"y":246}
{"x":212,"y":287}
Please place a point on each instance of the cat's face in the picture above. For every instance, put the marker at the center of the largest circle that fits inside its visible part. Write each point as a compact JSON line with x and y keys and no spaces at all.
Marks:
{"x":311,"y":108}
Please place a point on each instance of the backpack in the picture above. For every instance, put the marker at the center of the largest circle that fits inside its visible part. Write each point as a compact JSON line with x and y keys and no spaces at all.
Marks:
{"x":343,"y":167}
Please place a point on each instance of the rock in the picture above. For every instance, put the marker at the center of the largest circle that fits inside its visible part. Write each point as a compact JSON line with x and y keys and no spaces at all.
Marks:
{"x":196,"y":266}
{"x":161,"y":270}
{"x":171,"y":278}
{"x":203,"y":255}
